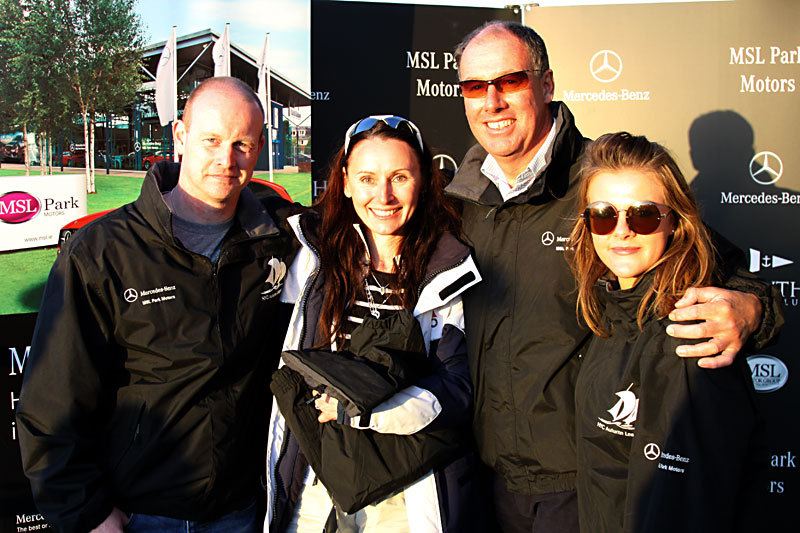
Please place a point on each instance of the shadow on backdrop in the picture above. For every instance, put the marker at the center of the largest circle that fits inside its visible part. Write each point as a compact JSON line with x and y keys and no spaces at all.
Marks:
{"x":754,"y":216}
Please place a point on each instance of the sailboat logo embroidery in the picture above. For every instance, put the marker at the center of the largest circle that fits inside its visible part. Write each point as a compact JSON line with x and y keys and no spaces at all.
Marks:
{"x":274,"y":281}
{"x":623,"y":414}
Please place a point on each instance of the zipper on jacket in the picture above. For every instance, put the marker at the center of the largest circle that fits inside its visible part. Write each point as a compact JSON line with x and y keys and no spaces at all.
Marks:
{"x":435,"y":273}
{"x":310,"y":283}
{"x":306,"y":292}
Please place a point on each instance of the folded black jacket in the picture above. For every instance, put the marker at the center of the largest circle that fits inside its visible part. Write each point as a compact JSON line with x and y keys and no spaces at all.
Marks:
{"x":359,"y":467}
{"x":386,"y":356}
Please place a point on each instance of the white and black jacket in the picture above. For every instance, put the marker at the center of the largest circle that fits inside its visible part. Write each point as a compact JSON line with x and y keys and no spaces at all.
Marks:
{"x":443,"y":500}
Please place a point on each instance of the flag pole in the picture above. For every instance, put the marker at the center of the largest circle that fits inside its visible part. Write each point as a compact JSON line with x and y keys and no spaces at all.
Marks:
{"x":268,"y":108}
{"x":174,"y":90}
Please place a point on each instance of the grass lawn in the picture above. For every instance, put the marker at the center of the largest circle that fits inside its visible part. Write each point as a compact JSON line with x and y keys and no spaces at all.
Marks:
{"x":25,"y":272}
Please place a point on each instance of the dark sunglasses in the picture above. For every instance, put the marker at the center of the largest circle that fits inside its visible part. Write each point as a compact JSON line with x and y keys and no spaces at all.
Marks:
{"x":507,"y":83}
{"x":643,"y":218}
{"x":394,"y":122}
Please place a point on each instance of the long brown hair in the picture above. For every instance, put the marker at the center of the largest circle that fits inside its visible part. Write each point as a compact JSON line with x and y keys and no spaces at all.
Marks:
{"x":342,"y":250}
{"x":688,"y":260}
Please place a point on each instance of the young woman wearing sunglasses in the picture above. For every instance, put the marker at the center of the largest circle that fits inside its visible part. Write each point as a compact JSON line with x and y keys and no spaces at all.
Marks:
{"x":380,"y":263}
{"x":661,"y":443}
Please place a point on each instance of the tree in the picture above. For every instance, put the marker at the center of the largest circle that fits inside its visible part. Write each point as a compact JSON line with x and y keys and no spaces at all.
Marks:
{"x":103,"y":73}
{"x":65,"y":56}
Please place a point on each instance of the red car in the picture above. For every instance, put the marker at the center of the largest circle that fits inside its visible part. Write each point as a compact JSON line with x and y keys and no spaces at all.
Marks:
{"x":260,"y":187}
{"x":151,"y":159}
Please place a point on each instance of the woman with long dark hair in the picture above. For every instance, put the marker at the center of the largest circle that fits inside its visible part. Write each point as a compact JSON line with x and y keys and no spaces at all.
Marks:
{"x":370,"y":427}
{"x":662,"y":444}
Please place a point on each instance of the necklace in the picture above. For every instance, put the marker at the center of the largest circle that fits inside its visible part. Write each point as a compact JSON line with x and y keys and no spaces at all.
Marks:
{"x":373,"y":308}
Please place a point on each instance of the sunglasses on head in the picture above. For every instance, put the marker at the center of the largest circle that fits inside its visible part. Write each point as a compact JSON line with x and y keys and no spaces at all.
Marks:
{"x":507,"y":83}
{"x":643,"y":218}
{"x":394,"y":122}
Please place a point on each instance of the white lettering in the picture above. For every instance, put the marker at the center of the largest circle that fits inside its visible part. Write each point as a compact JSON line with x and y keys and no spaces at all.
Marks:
{"x":15,"y":359}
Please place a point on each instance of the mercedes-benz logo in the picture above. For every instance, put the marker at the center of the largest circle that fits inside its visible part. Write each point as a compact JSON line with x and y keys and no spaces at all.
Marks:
{"x":605,"y":66}
{"x":652,"y":451}
{"x":766,"y":168}
{"x":446,"y":162}
{"x":220,"y":57}
{"x":130,"y":295}
{"x":548,"y":238}
{"x":165,"y":55}
{"x":137,"y":147}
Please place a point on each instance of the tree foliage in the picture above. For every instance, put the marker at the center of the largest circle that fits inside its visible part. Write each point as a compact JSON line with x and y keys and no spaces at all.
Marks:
{"x":68,"y":57}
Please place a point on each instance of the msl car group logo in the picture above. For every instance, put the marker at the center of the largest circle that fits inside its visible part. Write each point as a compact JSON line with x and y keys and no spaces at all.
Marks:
{"x":768,"y":372}
{"x":17,"y":207}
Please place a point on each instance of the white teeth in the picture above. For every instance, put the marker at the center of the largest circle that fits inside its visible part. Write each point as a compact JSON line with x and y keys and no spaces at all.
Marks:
{"x":385,"y":213}
{"x":499,"y":125}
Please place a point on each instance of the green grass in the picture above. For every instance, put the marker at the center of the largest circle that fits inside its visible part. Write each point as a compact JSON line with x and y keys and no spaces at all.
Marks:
{"x":25,"y":272}
{"x":298,"y":185}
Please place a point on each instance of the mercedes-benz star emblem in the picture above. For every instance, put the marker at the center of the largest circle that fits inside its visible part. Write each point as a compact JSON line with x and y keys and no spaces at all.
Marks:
{"x":548,"y":238}
{"x":131,"y":295}
{"x":652,"y":451}
{"x":445,"y":162}
{"x":766,"y":168}
{"x":605,"y":66}
{"x":165,"y":55}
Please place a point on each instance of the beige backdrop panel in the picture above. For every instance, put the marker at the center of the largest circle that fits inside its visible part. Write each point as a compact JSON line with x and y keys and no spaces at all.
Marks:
{"x":680,"y":55}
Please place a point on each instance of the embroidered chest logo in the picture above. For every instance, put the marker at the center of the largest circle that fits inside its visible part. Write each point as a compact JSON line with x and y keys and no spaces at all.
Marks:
{"x":623,"y":414}
{"x":274,"y":281}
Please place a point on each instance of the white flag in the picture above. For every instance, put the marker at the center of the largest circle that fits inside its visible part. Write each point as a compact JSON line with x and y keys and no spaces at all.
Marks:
{"x":222,"y":54}
{"x":262,"y":79}
{"x":166,"y":84}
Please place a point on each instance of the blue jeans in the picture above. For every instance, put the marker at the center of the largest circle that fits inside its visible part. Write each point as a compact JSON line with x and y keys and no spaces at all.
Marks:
{"x":243,"y":521}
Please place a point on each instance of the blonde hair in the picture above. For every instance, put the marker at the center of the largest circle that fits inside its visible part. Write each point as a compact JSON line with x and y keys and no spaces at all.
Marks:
{"x":689,"y":259}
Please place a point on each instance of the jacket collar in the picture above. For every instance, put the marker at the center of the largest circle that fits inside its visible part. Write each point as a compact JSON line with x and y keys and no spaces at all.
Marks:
{"x":251,"y":215}
{"x":450,"y":271}
{"x":469,"y":184}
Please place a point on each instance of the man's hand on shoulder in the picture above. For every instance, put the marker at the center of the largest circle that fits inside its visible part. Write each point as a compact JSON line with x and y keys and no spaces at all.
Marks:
{"x":727,"y":319}
{"x":114,"y":523}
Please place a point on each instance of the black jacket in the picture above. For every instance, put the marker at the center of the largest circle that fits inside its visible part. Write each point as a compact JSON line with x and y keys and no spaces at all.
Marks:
{"x":522,"y":329}
{"x":663,"y":445}
{"x":147,"y":382}
{"x":523,"y":335}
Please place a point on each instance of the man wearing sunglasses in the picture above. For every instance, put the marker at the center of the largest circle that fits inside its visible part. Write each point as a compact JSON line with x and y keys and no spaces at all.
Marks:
{"x":518,"y":191}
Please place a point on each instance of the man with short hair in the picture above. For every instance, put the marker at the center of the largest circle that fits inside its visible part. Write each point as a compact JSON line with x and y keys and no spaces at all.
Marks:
{"x":146,"y":402}
{"x":518,"y":189}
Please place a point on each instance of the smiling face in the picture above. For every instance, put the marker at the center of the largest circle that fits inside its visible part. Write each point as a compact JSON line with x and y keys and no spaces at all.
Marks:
{"x":510,"y":126}
{"x":627,"y":254}
{"x":220,"y":147}
{"x":383,"y":179}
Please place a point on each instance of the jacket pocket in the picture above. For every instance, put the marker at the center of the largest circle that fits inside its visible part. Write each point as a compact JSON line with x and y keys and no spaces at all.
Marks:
{"x":124,"y":434}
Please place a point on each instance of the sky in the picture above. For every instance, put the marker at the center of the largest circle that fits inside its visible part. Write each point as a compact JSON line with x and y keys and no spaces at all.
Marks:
{"x":287,"y":21}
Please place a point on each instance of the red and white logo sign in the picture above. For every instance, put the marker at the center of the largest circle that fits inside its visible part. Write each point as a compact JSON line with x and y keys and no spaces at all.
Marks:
{"x":17,"y":207}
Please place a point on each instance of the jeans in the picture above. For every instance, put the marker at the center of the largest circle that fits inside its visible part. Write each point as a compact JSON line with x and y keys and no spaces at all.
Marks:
{"x":242,"y":521}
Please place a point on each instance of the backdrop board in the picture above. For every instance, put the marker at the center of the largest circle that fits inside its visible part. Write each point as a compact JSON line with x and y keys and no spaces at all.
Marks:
{"x":370,"y":58}
{"x":17,"y":511}
{"x":718,"y":84}
{"x":34,"y":208}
